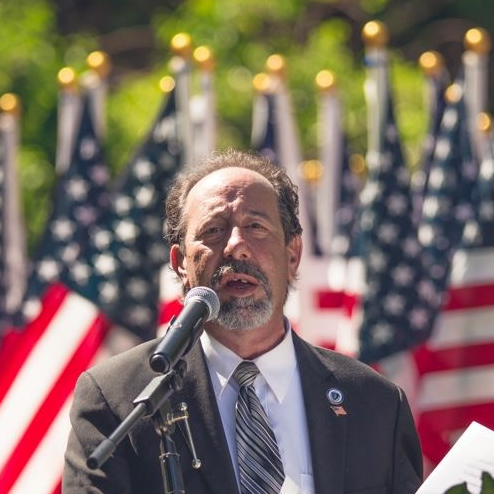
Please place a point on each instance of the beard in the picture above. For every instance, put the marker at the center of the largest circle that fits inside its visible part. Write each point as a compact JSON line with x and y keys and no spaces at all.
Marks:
{"x":246,"y":313}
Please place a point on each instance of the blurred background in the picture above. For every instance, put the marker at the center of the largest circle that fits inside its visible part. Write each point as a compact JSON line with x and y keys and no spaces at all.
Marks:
{"x":39,"y":37}
{"x":396,"y":272}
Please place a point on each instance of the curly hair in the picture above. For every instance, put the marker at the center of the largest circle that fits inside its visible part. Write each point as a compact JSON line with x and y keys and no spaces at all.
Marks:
{"x":285,"y":190}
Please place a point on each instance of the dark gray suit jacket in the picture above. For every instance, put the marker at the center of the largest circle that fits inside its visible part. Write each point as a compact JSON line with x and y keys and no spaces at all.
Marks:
{"x":373,"y":449}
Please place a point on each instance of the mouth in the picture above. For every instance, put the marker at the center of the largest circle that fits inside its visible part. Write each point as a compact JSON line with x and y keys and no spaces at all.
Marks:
{"x":238,"y":284}
{"x":238,"y":280}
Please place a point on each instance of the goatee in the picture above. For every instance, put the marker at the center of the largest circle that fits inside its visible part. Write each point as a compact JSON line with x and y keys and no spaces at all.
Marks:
{"x":246,"y":313}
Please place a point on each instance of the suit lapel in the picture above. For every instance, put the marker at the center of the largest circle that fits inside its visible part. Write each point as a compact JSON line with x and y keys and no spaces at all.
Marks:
{"x":327,"y":430}
{"x":206,"y":426}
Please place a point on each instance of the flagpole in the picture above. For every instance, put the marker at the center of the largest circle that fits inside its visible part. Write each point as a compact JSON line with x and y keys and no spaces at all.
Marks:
{"x":262,"y":85}
{"x":68,"y":113}
{"x":432,"y":65}
{"x":96,"y":83}
{"x":484,"y":126}
{"x":436,"y":75}
{"x":181,"y":46}
{"x":375,"y":37}
{"x":288,"y":139}
{"x":327,"y":189}
{"x":475,"y":62}
{"x":205,"y":119}
{"x":14,"y":252}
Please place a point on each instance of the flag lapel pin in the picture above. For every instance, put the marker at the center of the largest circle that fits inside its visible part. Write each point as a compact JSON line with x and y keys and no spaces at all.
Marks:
{"x":336,"y":398}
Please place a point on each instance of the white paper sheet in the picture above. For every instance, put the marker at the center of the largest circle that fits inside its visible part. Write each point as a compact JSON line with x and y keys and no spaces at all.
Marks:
{"x":472,"y":454}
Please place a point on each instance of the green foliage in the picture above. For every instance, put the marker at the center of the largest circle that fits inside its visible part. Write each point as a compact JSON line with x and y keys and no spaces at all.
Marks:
{"x":373,"y":6}
{"x":31,"y":54}
{"x":27,"y":55}
{"x":458,"y":489}
{"x":242,"y":35}
{"x":131,"y":109}
{"x":486,"y":488}
{"x":487,"y":483}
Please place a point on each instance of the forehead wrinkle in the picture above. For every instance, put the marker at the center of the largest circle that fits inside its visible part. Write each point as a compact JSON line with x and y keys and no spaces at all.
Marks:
{"x":225,"y":211}
{"x":224,"y":193}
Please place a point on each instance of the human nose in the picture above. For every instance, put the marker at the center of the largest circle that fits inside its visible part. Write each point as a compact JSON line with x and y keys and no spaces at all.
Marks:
{"x":237,"y":246}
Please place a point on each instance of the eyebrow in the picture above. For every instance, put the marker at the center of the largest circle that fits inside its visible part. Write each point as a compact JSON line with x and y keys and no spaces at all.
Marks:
{"x":249,"y":212}
{"x":260,"y":214}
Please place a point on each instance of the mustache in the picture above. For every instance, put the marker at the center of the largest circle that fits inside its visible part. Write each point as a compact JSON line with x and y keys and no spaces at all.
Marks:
{"x":241,"y":267}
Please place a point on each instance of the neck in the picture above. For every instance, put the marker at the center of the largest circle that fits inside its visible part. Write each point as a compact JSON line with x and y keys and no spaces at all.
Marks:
{"x":249,"y":344}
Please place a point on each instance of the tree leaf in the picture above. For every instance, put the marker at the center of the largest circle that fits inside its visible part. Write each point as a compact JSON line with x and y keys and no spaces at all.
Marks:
{"x":458,"y":489}
{"x":487,"y":483}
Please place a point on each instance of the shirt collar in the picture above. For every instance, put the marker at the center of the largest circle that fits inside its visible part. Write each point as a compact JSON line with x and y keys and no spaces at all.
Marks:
{"x":276,"y":366}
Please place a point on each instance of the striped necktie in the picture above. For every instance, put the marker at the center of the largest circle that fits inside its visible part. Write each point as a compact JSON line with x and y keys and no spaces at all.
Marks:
{"x":260,"y":467}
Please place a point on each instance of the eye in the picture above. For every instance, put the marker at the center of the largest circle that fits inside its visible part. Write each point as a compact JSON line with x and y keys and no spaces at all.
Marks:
{"x":257,"y":227}
{"x":212,"y":232}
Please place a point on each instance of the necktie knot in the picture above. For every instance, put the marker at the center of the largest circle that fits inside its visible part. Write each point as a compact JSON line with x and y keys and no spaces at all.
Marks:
{"x":245,"y":373}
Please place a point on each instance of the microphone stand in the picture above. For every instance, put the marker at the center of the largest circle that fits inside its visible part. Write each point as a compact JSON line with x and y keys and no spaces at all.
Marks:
{"x":153,"y":402}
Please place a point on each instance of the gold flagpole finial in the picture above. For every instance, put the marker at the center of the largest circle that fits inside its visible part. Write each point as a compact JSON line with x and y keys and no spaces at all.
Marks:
{"x":431,"y":62}
{"x":477,"y":40}
{"x":325,"y":81}
{"x":10,"y":103}
{"x":181,"y":45}
{"x":67,"y":78}
{"x":276,"y":65}
{"x":262,"y":82}
{"x":453,"y":93}
{"x":484,"y":122}
{"x":204,"y":58}
{"x":311,"y":171}
{"x":99,"y":61}
{"x":358,"y":165}
{"x":375,"y":34}
{"x":167,"y":84}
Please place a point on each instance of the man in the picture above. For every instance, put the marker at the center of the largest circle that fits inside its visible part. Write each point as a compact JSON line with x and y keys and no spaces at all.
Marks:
{"x":331,"y":424}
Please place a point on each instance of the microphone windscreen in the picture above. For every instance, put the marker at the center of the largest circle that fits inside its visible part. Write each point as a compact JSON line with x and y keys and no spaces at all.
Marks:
{"x":206,"y":295}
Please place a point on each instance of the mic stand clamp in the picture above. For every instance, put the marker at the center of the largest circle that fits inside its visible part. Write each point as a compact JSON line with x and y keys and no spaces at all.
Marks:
{"x":153,"y":402}
{"x":164,"y":422}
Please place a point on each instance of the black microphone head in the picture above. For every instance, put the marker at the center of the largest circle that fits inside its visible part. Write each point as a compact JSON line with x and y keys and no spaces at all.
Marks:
{"x":206,"y":295}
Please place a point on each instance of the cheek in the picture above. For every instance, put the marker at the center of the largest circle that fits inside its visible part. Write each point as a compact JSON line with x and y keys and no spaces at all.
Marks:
{"x":199,"y":263}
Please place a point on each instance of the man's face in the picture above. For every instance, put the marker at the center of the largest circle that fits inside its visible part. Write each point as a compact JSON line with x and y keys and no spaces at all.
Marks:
{"x":234,"y":243}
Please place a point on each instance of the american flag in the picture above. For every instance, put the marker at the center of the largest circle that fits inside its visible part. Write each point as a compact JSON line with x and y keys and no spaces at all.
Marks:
{"x":41,"y":363}
{"x":80,"y":198}
{"x":455,"y":367}
{"x":345,"y":272}
{"x":448,"y":376}
{"x":337,"y":200}
{"x":438,"y":83}
{"x":345,"y":215}
{"x":120,"y":271}
{"x":397,"y":306}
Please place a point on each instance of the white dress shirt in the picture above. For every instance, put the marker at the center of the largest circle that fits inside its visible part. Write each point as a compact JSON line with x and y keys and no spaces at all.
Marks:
{"x":279,"y":390}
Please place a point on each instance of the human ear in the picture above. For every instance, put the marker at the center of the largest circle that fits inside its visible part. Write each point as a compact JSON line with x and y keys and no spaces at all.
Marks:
{"x":294,"y":251}
{"x":178,"y":262}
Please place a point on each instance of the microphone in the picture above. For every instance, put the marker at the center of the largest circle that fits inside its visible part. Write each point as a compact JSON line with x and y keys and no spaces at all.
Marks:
{"x":201,"y":304}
